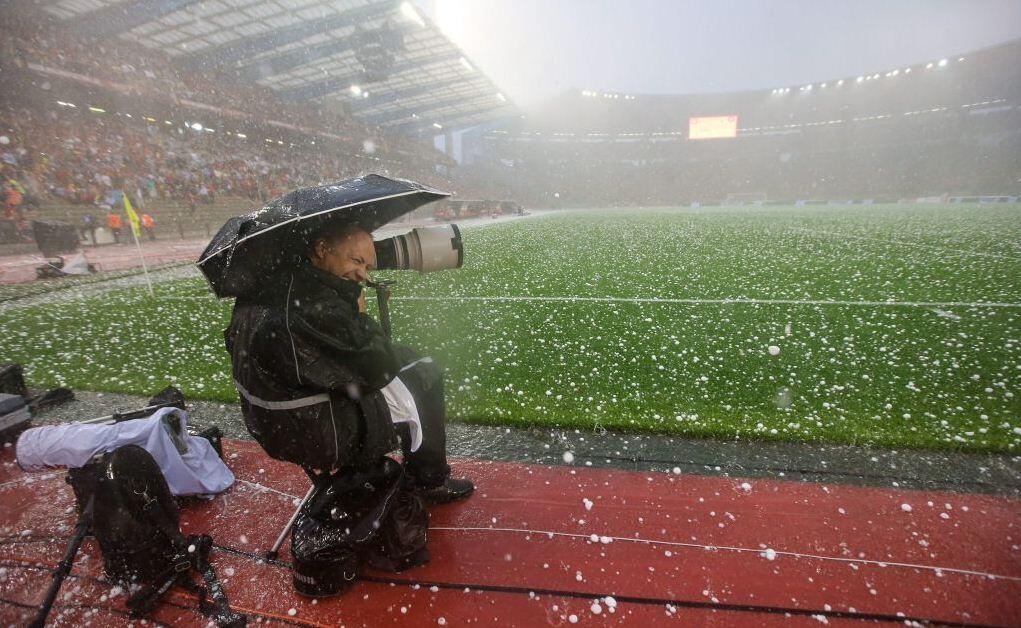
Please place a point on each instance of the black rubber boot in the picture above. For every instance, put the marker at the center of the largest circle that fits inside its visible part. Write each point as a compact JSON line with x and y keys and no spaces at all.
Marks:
{"x":452,"y":490}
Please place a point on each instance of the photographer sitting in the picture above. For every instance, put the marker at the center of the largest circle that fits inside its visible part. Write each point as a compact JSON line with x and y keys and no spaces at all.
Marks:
{"x":320,"y":383}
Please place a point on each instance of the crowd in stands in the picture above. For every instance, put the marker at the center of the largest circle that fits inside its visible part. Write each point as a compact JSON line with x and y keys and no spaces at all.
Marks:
{"x":949,"y":153}
{"x":81,"y":158}
{"x":73,"y":156}
{"x":32,"y":39}
{"x":68,"y":156}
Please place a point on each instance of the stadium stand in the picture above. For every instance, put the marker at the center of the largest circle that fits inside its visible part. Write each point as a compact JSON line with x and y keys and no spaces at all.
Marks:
{"x":98,"y":101}
{"x":945,"y":128}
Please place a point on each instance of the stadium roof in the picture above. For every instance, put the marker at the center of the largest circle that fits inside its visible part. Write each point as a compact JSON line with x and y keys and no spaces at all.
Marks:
{"x":385,"y":60}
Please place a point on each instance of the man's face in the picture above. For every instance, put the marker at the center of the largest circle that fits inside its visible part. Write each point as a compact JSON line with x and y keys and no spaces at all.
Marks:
{"x":351,"y":257}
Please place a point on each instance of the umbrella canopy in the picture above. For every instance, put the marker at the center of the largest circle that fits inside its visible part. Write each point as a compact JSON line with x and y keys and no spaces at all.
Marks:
{"x":249,"y":249}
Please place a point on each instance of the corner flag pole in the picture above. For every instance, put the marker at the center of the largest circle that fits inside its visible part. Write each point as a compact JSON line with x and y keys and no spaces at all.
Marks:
{"x":135,"y":231}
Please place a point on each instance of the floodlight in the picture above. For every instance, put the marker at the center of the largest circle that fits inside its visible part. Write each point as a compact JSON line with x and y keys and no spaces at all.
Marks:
{"x":861,"y":78}
{"x":357,"y":91}
{"x":196,"y":126}
{"x":96,"y":109}
{"x":437,"y":125}
{"x":840,"y":82}
{"x":501,"y":97}
{"x":365,"y":94}
{"x":942,"y":63}
{"x":928,"y":66}
{"x":907,"y":70}
{"x":808,"y":88}
{"x":241,"y":135}
{"x":410,"y":12}
{"x":822,"y":85}
{"x":959,"y":59}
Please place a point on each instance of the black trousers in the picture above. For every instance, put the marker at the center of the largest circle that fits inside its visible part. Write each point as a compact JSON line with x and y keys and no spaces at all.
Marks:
{"x":427,"y":466}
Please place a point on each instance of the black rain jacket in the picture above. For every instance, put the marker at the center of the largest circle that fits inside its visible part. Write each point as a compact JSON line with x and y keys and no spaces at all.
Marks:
{"x":308,"y":367}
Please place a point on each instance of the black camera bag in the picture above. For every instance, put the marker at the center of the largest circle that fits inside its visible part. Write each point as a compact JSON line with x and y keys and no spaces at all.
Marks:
{"x":12,"y":380}
{"x":357,"y":516}
{"x":136,"y":522}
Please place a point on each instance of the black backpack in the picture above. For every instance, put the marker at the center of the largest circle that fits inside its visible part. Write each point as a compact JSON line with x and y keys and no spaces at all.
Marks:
{"x":357,"y":517}
{"x":136,"y":521}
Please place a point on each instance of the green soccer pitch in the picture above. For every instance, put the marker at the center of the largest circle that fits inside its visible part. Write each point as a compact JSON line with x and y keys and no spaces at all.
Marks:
{"x":892,"y":325}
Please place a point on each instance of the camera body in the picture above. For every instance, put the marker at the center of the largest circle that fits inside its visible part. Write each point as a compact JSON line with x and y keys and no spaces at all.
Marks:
{"x":425,"y":249}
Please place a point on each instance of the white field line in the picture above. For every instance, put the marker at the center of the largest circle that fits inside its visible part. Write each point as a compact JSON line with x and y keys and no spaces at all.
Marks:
{"x":726,"y":548}
{"x":837,"y":234}
{"x":710,"y":548}
{"x":733,"y":301}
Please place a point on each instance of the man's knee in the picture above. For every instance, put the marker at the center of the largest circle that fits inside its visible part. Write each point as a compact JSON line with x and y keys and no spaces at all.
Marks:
{"x":425,"y":371}
{"x":405,"y":355}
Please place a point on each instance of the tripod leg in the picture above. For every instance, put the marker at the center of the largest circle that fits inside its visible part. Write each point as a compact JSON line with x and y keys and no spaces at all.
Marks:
{"x":64,"y":567}
{"x":383,"y":300}
{"x":275,"y":551}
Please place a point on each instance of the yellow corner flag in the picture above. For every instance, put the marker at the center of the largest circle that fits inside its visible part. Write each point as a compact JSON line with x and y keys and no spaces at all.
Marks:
{"x":132,"y":217}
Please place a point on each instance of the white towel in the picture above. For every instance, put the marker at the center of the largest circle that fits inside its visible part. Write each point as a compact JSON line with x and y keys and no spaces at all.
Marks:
{"x":199,"y":471}
{"x":403,"y":409}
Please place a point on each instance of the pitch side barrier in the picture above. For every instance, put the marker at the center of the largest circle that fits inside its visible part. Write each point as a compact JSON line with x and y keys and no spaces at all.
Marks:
{"x":982,"y":200}
{"x":787,"y":203}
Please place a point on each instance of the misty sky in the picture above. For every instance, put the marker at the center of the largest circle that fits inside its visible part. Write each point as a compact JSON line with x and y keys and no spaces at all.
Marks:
{"x":534,"y":49}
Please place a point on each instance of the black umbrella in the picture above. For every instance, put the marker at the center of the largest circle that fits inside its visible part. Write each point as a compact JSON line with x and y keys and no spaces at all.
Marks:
{"x":249,"y":249}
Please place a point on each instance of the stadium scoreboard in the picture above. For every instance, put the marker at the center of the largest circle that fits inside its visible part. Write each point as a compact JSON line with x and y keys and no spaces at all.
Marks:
{"x":712,"y":127}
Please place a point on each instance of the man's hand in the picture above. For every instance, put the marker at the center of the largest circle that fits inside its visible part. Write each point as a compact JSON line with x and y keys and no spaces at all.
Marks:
{"x":361,"y":301}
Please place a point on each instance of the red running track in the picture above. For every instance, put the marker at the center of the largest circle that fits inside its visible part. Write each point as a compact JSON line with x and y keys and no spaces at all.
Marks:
{"x":541,"y":545}
{"x":21,"y":268}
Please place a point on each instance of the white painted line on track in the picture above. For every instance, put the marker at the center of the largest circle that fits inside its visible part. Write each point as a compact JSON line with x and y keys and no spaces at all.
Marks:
{"x":858,"y":561}
{"x":726,"y":548}
{"x":734,"y":301}
{"x":629,"y":539}
{"x":836,"y":234}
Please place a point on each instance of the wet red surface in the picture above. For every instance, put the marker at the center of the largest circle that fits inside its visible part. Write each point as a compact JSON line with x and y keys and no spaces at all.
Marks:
{"x":21,"y":268}
{"x":670,"y":549}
